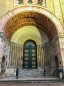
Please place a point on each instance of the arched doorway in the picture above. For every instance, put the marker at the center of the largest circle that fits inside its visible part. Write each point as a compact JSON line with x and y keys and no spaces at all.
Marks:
{"x":35,"y":16}
{"x":30,"y":55}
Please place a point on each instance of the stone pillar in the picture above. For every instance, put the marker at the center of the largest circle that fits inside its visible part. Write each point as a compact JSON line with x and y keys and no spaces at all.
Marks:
{"x":0,"y":54}
{"x":41,"y":55}
{"x":22,"y":57}
{"x":61,"y":59}
{"x":38,"y":56}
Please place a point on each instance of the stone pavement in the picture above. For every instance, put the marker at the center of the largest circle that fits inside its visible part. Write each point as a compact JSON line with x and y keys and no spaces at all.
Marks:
{"x":31,"y":78}
{"x":31,"y":84}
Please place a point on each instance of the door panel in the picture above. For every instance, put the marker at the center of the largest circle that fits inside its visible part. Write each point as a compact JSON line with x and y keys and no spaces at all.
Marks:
{"x":30,"y":55}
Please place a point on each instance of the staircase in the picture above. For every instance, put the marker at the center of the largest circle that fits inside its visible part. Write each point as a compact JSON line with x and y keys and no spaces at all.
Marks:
{"x":30,"y":75}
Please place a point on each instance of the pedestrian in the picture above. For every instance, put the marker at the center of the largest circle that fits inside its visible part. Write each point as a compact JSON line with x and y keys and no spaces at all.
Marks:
{"x":60,"y":73}
{"x":17,"y":71}
{"x":44,"y":72}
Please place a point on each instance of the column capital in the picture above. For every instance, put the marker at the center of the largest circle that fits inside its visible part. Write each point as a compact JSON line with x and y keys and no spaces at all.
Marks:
{"x":61,"y":35}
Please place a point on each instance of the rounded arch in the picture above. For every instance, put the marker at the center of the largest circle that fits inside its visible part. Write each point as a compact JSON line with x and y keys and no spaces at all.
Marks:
{"x":30,"y":40}
{"x":26,"y":32}
{"x":55,"y":25}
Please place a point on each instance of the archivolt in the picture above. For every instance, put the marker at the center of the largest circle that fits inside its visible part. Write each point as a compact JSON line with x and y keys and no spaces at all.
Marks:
{"x":30,"y":15}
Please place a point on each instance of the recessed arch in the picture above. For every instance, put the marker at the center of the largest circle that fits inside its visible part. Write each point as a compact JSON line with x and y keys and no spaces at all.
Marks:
{"x":32,"y":16}
{"x":26,"y":32}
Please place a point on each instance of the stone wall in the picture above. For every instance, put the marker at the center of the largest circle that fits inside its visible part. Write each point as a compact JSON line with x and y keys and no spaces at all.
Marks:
{"x":52,"y":56}
{"x":4,"y":54}
{"x":15,"y":55}
{"x":54,"y":6}
{"x":61,"y":41}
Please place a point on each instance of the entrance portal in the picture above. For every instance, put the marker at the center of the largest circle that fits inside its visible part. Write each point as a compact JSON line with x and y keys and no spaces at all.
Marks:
{"x":30,"y":55}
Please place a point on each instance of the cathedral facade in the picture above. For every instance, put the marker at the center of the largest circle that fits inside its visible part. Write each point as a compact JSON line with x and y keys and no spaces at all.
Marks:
{"x":31,"y":35}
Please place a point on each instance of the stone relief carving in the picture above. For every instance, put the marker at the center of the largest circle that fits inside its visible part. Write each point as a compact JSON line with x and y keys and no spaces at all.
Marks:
{"x":20,"y":1}
{"x":16,"y":2}
{"x":40,"y":2}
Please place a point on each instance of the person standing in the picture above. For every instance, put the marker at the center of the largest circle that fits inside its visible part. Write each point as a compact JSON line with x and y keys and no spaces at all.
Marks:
{"x":17,"y":71}
{"x":44,"y":72}
{"x":60,"y":73}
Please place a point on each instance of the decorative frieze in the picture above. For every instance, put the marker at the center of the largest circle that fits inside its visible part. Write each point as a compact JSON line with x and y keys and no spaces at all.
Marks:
{"x":40,"y":2}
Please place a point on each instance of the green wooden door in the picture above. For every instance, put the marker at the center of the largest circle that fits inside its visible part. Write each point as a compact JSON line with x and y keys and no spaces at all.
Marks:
{"x":30,"y":55}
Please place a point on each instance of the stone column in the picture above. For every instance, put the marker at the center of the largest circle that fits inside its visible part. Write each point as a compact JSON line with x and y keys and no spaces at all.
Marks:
{"x":0,"y":53}
{"x":22,"y":57}
{"x":41,"y":51}
{"x":61,"y":59}
{"x":40,"y":56}
{"x":10,"y":59}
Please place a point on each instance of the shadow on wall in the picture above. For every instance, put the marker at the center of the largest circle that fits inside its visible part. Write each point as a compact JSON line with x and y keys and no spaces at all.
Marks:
{"x":3,"y":67}
{"x":56,"y":67}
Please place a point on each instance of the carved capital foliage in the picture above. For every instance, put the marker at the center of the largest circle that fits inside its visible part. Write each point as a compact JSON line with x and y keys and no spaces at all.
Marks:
{"x":61,"y":35}
{"x":61,"y":39}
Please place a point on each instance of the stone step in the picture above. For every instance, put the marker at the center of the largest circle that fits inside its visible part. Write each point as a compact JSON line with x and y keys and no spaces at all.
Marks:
{"x":33,"y":80}
{"x":30,"y":75}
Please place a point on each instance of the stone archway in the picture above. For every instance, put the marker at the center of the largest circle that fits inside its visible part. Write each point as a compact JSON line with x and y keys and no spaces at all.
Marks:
{"x":35,"y":16}
{"x":8,"y":19}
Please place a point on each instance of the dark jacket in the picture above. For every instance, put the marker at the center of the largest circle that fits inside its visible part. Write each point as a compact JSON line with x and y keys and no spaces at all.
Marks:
{"x":60,"y":70}
{"x":17,"y":72}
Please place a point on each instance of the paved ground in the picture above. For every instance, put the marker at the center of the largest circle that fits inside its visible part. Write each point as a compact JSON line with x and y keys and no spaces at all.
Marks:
{"x":31,"y":84}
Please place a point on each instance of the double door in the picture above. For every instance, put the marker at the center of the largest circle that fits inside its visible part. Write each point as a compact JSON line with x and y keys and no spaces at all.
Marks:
{"x":30,"y":55}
